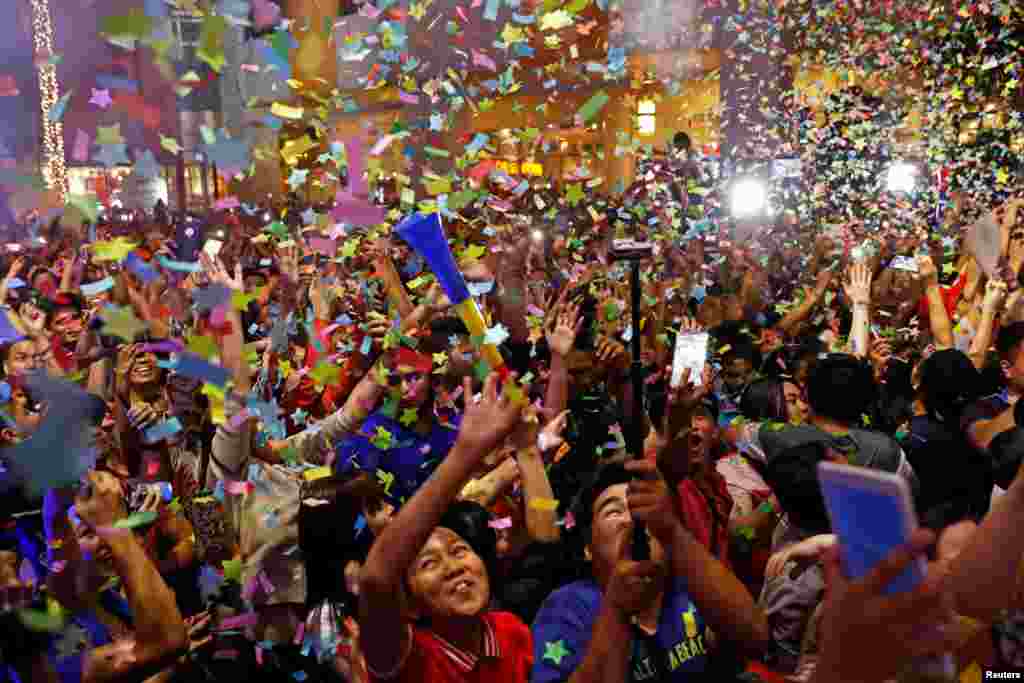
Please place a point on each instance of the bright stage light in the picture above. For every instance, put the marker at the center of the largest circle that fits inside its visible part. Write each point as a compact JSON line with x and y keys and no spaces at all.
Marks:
{"x":901,"y":177}
{"x":749,"y":197}
{"x":537,"y":236}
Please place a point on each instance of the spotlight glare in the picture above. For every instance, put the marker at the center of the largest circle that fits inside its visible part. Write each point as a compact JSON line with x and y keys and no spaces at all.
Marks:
{"x":537,"y":236}
{"x":749,"y":197}
{"x":901,"y":177}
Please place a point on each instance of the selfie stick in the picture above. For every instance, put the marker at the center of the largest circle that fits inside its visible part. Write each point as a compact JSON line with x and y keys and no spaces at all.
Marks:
{"x":626,"y":250}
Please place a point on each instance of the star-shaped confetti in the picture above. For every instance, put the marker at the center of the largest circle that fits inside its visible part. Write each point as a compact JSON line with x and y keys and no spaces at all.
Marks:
{"x":170,"y":145}
{"x":112,"y":155}
{"x":101,"y":98}
{"x":382,"y":439}
{"x":555,"y":651}
{"x":297,"y":178}
{"x":409,"y":416}
{"x":233,"y":571}
{"x":109,"y":135}
{"x":121,"y":322}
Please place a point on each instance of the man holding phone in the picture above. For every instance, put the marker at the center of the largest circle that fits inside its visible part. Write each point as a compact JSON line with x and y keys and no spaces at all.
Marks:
{"x":640,"y":620}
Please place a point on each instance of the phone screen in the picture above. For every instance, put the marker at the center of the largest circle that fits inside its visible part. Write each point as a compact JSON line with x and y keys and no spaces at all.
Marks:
{"x":691,"y":352}
{"x":906,"y":263}
{"x":870,"y":522}
{"x":213,"y":247}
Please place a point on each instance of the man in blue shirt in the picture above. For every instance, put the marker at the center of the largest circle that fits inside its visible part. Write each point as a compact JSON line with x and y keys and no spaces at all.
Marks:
{"x":86,"y":547}
{"x":640,"y":620}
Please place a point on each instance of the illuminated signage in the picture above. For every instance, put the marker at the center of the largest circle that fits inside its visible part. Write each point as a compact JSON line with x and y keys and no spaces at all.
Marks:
{"x":529,"y":168}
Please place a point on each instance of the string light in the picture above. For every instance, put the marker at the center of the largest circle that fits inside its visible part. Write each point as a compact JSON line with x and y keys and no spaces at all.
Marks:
{"x":54,"y":168}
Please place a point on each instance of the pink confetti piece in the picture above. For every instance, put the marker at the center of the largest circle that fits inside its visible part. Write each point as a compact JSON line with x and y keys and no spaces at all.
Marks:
{"x":80,"y":152}
{"x":225,"y":654}
{"x":501,"y":523}
{"x":239,"y":622}
{"x":218,"y":315}
{"x":381,"y":145}
{"x":253,"y":68}
{"x":265,"y":13}
{"x":238,"y":488}
{"x":357,"y":212}
{"x":569,"y":521}
{"x":323,"y":246}
{"x":480,"y":59}
{"x":249,"y":589}
{"x":408,"y":98}
{"x":300,"y":633}
{"x":238,"y":419}
{"x":168,"y":346}
{"x":227,"y":203}
{"x":265,"y":583}
{"x":259,"y":655}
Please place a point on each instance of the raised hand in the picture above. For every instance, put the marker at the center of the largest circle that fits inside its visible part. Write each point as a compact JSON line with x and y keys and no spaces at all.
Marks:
{"x":633,"y":585}
{"x":995,"y":293}
{"x":858,"y":286}
{"x":487,"y":422}
{"x":927,"y":271}
{"x":217,"y":273}
{"x":562,"y":329}
{"x":852,"y":611}
{"x":550,"y":436}
{"x":651,"y":501}
{"x":809,"y":548}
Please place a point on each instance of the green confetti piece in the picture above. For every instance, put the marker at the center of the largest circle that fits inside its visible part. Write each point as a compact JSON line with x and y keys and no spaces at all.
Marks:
{"x":435,"y":152}
{"x":481,"y":370}
{"x":592,"y":106}
{"x":40,"y":621}
{"x":136,"y":520}
{"x":233,"y":570}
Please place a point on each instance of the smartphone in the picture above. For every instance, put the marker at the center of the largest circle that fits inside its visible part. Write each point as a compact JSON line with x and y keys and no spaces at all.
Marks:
{"x":213,"y":247}
{"x":189,"y":238}
{"x":691,"y":352}
{"x":907,"y":263}
{"x":872,"y":513}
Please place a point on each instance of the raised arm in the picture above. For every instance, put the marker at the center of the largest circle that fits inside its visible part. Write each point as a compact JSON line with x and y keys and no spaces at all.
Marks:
{"x":541,"y":519}
{"x":385,"y":635}
{"x":561,"y":331}
{"x":722,"y":599}
{"x":858,"y":290}
{"x":938,"y":317}
{"x":800,"y":313}
{"x":995,"y":293}
{"x":983,"y":578}
{"x":15,"y":270}
{"x":160,"y":634}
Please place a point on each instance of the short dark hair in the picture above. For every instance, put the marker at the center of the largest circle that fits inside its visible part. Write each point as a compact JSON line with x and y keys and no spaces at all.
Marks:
{"x":1009,"y":340}
{"x":793,"y":475}
{"x":606,"y":476}
{"x":764,"y":400}
{"x":681,"y":141}
{"x":471,"y":522}
{"x":841,"y":387}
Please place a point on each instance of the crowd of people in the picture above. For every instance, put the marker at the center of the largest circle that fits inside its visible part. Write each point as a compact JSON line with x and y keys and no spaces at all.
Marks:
{"x":284,"y":457}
